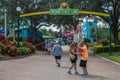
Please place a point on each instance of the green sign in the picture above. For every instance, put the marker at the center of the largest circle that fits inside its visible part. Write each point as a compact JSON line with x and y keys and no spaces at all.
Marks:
{"x":64,"y":12}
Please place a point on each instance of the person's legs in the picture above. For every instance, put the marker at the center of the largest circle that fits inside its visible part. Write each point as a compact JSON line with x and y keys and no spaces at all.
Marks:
{"x":83,"y":65}
{"x":85,"y":71}
{"x":58,"y":60}
{"x":48,"y":50}
{"x":69,"y":71}
{"x":75,"y":67}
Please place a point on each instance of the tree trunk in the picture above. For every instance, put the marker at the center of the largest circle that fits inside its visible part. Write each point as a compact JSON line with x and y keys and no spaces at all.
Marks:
{"x":34,"y":36}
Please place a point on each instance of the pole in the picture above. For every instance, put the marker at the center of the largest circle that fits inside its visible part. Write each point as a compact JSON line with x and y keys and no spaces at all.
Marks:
{"x":13,"y":31}
{"x":110,"y":33}
{"x":5,"y":23}
{"x":18,"y":29}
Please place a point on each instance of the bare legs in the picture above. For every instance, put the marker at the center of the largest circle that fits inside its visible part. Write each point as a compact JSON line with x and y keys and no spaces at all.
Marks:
{"x":84,"y":71}
{"x":74,"y":65}
{"x":58,"y":62}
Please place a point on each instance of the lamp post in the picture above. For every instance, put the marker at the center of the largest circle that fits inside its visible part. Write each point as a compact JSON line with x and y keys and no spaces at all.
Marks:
{"x":110,"y":19}
{"x":18,"y":9}
{"x":5,"y":15}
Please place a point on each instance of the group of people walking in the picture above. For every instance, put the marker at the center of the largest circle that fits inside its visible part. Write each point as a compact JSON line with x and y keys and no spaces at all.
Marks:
{"x":74,"y":51}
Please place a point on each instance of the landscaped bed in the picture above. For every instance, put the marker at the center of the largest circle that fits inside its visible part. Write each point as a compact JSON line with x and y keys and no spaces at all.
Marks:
{"x":9,"y":49}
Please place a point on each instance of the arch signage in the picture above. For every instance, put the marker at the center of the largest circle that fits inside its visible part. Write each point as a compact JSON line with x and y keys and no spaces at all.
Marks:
{"x":64,"y":10}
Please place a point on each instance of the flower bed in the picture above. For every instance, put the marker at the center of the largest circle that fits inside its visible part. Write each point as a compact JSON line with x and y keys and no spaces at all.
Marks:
{"x":9,"y":48}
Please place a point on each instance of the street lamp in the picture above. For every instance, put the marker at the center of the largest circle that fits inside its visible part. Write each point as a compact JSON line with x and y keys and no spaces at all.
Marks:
{"x":5,"y":15}
{"x":110,"y":19}
{"x":18,"y":9}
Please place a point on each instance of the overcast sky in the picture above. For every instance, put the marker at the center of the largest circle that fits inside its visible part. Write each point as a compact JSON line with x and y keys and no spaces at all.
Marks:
{"x":51,"y":27}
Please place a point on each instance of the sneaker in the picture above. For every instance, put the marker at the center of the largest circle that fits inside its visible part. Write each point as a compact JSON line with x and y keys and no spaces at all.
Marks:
{"x":76,"y":72}
{"x":58,"y":64}
{"x":69,"y":72}
{"x":85,"y":73}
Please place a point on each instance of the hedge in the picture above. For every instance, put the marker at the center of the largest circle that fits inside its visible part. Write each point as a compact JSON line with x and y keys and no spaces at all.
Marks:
{"x":100,"y":48}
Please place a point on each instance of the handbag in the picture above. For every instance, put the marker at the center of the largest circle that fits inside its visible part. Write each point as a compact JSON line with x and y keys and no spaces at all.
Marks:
{"x":72,"y":56}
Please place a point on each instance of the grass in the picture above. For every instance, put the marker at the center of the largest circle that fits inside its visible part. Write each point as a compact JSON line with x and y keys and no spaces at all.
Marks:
{"x":114,"y":57}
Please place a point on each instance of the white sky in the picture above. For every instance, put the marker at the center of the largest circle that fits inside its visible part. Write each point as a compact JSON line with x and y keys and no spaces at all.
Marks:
{"x":51,"y":27}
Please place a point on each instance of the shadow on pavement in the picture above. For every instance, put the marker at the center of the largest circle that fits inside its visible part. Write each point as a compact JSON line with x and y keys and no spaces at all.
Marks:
{"x":95,"y":77}
{"x":64,"y":67}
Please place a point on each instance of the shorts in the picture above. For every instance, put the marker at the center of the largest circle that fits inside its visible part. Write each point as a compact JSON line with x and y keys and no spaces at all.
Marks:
{"x":73,"y":61}
{"x":83,"y":63}
{"x":57,"y":57}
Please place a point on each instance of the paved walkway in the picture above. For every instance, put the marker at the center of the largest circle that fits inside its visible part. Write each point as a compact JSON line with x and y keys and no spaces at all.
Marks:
{"x":43,"y":67}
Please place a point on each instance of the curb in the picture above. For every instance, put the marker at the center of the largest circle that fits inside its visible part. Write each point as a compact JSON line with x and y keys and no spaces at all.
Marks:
{"x":108,"y":60}
{"x":17,"y":57}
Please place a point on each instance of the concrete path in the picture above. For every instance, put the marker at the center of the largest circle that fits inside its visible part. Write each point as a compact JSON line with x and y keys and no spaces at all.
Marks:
{"x":43,"y":67}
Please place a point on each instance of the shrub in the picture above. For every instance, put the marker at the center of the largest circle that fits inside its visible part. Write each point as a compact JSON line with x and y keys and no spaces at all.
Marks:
{"x":33,"y":49}
{"x":116,"y":48}
{"x":10,"y":38}
{"x":24,"y":50}
{"x":4,"y":39}
{"x":22,"y":44}
{"x":105,"y":48}
{"x":98,"y":49}
{"x":13,"y":51}
{"x":104,"y":42}
{"x":93,"y":44}
{"x":14,"y":43}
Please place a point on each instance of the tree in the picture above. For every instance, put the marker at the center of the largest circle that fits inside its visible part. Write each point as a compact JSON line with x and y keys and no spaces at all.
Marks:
{"x":44,"y":5}
{"x":26,"y":6}
{"x":103,"y":6}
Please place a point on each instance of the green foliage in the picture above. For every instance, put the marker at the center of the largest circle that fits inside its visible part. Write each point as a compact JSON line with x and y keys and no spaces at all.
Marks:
{"x":116,"y":48}
{"x":92,"y":44}
{"x":22,"y":44}
{"x":24,"y":50}
{"x":33,"y":49}
{"x":104,"y":42}
{"x":12,"y":50}
{"x":100,"y":48}
{"x":10,"y":38}
{"x":103,"y":33}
